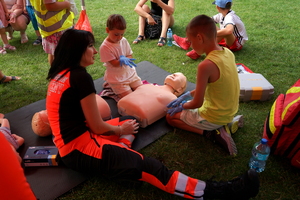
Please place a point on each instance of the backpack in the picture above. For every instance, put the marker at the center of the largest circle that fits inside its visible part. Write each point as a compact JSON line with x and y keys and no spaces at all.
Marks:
{"x":282,"y":126}
{"x":153,"y":31}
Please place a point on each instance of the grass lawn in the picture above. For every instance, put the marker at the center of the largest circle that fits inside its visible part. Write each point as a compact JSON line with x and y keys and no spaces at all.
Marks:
{"x":272,"y":50}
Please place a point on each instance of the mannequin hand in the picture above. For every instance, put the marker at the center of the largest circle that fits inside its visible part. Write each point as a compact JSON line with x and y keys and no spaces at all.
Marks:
{"x":176,"y":102}
{"x":127,"y":61}
{"x":177,"y":109}
{"x":129,"y":127}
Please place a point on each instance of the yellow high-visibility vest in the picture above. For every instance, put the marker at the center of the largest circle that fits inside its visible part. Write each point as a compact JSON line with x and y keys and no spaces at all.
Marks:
{"x":50,"y":22}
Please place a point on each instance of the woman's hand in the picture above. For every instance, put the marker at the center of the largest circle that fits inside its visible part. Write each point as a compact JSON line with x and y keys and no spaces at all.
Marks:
{"x":129,"y":127}
{"x":12,"y":18}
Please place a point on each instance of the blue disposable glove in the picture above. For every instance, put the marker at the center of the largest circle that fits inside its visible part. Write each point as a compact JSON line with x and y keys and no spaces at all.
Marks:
{"x":176,"y":102}
{"x":176,"y":109}
{"x":127,"y":61}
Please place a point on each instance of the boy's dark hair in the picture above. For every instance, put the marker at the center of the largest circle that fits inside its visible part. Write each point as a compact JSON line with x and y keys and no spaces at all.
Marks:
{"x":227,"y":7}
{"x":70,"y":48}
{"x":116,"y":21}
{"x":202,"y":24}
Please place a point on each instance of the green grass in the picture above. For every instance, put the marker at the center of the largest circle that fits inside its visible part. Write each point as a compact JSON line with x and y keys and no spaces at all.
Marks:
{"x":272,"y":50}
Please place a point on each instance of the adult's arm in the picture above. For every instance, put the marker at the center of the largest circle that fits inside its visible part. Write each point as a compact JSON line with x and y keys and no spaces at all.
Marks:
{"x":96,"y":123}
{"x":56,"y":6}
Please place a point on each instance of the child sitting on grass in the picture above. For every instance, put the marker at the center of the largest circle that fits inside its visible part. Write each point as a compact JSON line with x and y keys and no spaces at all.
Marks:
{"x":231,"y":33}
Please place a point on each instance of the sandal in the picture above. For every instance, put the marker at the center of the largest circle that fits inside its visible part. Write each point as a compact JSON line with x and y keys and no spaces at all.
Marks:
{"x":138,"y":39}
{"x":2,"y":51}
{"x":24,"y":38}
{"x":9,"y":47}
{"x":5,"y":79}
{"x":161,"y":41}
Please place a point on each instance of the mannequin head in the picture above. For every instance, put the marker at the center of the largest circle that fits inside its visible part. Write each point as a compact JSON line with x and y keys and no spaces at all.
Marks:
{"x":177,"y":81}
{"x":40,"y":124}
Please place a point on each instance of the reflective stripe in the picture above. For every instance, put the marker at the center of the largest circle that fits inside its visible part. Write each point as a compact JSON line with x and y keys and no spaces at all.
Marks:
{"x":188,"y":187}
{"x":287,"y":107}
{"x":50,"y":22}
{"x":181,"y":184}
{"x":56,"y":27}
{"x":293,"y":90}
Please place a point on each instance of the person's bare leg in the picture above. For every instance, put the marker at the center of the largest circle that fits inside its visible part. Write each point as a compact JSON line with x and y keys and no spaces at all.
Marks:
{"x":4,"y":123}
{"x":142,"y":24}
{"x":167,"y":22}
{"x":21,"y":25}
{"x":50,"y":58}
{"x":178,"y":123}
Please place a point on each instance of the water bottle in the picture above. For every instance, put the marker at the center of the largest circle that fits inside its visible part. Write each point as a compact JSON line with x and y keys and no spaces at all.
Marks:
{"x":260,"y":154}
{"x":169,"y":37}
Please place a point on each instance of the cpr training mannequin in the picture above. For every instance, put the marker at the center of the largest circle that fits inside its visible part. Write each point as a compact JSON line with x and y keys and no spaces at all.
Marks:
{"x":40,"y":123}
{"x":148,"y":103}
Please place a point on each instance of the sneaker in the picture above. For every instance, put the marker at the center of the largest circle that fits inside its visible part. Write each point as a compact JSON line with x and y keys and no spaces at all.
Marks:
{"x":182,"y":42}
{"x":243,"y":187}
{"x":193,"y":55}
{"x":38,"y":41}
{"x":237,"y":122}
{"x":223,"y":137}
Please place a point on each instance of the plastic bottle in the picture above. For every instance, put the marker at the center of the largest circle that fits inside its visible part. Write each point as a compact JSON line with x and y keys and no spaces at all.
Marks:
{"x":169,"y":37}
{"x":260,"y":154}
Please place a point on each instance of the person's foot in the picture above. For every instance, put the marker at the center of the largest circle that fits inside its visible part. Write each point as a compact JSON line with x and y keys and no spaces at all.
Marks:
{"x":237,"y":122}
{"x":193,"y":55}
{"x":182,"y":42}
{"x":10,"y":33}
{"x":243,"y":187}
{"x":161,"y":42}
{"x":138,"y":39}
{"x":38,"y":41}
{"x":2,"y":51}
{"x":222,"y":137}
{"x":9,"y":47}
{"x":7,"y":79}
{"x":24,"y":38}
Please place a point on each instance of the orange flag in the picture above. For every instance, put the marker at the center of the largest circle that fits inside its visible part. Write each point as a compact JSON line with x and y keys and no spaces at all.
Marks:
{"x":83,"y":22}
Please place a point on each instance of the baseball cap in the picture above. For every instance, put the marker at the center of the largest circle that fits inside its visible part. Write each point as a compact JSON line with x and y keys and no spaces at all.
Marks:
{"x":222,"y":3}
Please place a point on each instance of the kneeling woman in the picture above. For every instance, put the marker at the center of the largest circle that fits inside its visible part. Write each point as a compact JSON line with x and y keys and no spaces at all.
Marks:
{"x":90,"y":145}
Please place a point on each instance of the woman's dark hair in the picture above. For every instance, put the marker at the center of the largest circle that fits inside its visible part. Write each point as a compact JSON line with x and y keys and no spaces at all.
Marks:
{"x":70,"y":48}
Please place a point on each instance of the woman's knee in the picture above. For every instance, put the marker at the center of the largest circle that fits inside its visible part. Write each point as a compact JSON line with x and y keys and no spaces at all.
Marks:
{"x":20,"y":24}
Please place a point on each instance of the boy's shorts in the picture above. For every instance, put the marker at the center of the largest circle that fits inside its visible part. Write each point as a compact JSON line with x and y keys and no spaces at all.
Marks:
{"x":236,"y":46}
{"x":132,"y":82}
{"x":192,"y":118}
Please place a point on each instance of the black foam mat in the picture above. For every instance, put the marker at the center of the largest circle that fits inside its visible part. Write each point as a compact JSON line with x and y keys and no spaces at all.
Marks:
{"x":50,"y":182}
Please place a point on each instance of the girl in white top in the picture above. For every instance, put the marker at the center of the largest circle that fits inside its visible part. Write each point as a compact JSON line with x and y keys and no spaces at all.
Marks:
{"x":116,"y":54}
